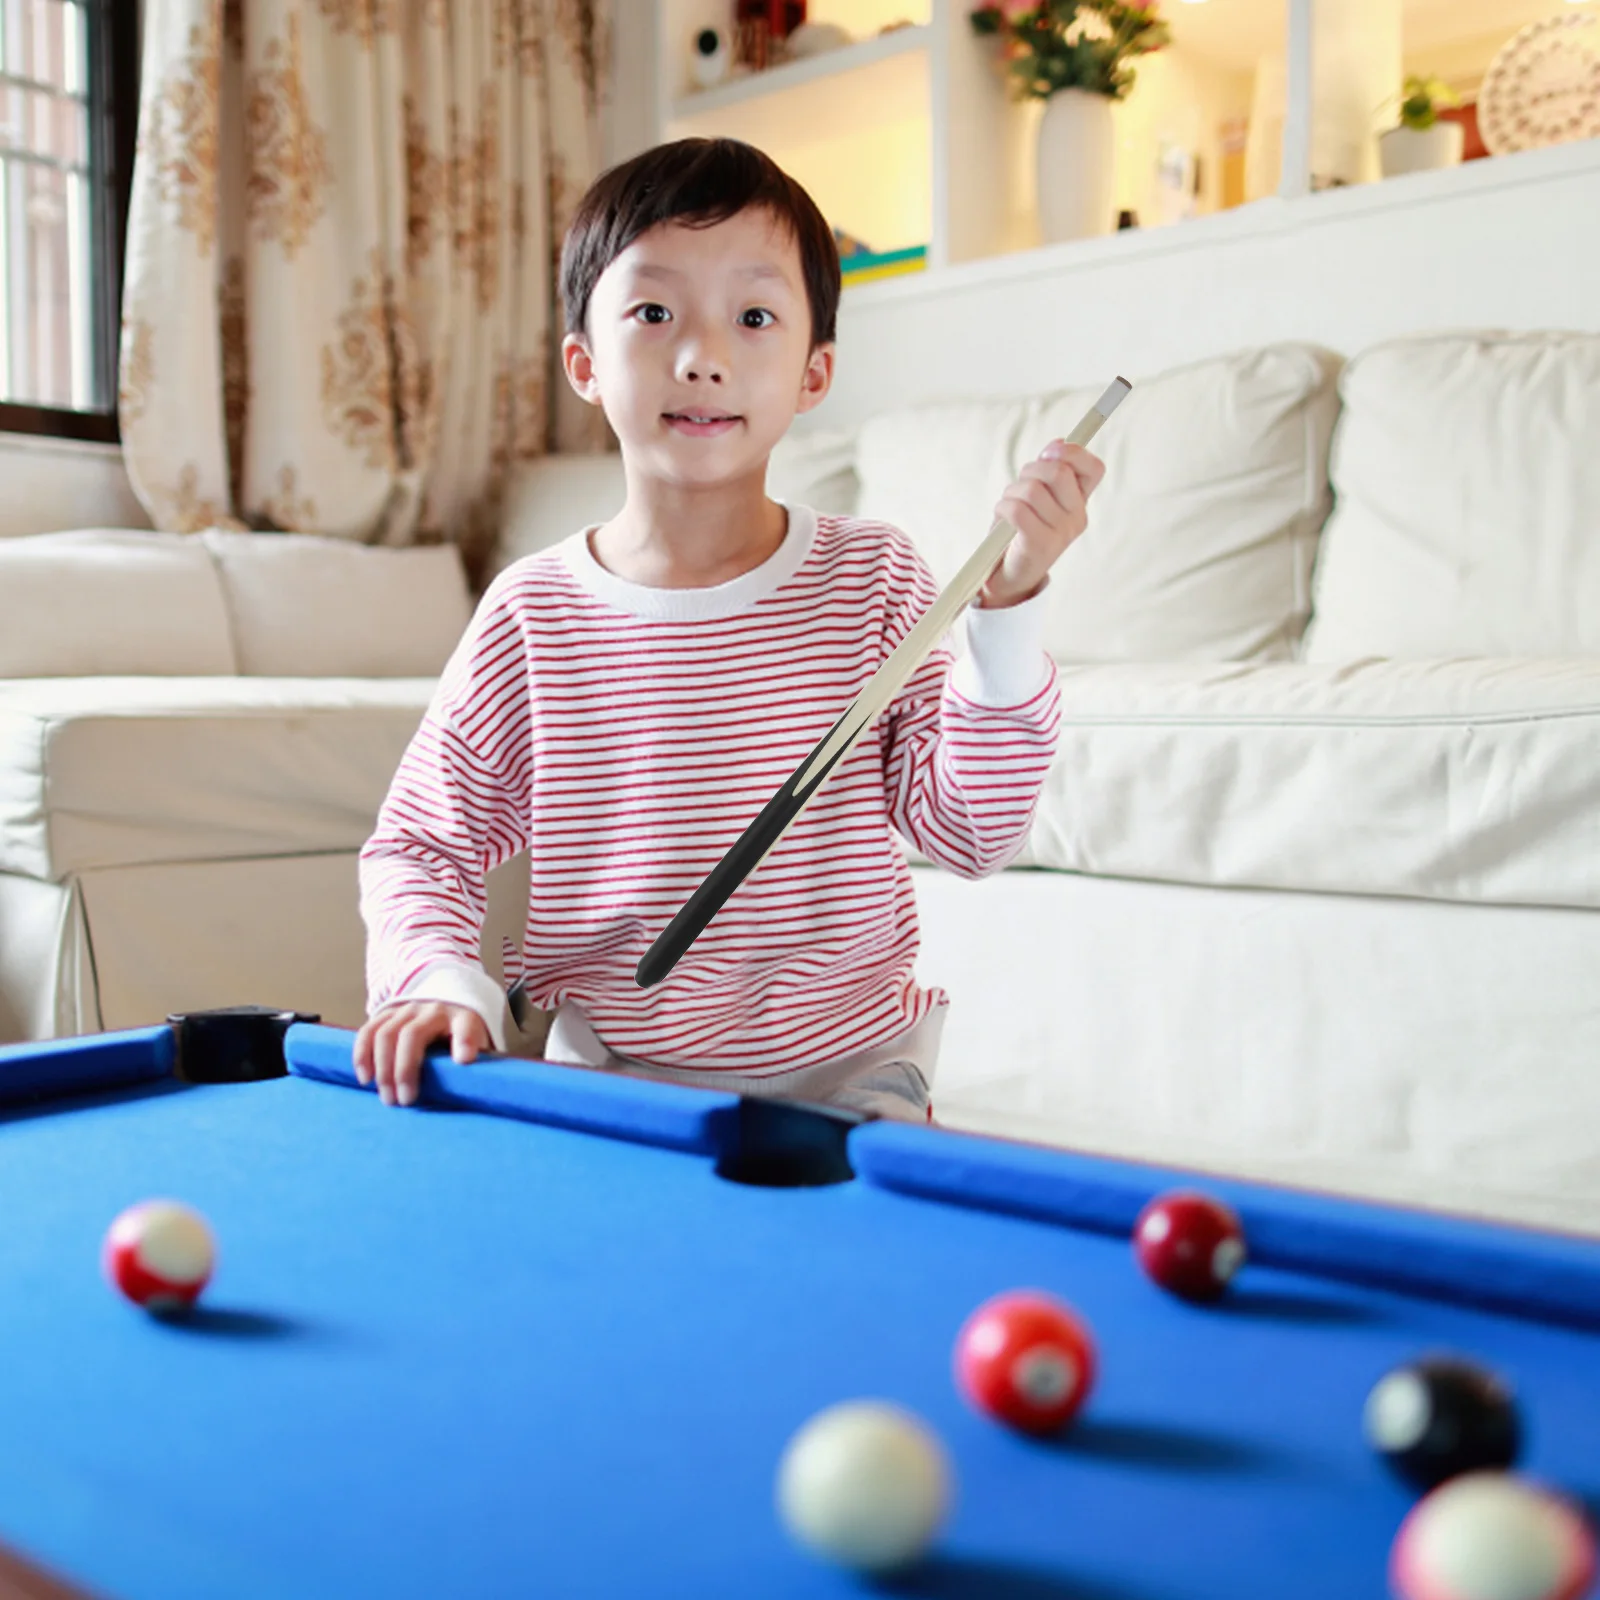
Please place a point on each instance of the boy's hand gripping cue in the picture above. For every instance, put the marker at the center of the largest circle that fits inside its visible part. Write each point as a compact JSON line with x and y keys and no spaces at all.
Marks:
{"x":750,"y":849}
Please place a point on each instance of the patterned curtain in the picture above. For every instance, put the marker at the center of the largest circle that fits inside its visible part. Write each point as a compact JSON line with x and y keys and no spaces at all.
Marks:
{"x":340,"y":313}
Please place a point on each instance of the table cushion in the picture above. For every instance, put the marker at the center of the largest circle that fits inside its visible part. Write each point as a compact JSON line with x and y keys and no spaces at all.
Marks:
{"x":1467,"y":489}
{"x":100,"y":772}
{"x":1456,"y":780}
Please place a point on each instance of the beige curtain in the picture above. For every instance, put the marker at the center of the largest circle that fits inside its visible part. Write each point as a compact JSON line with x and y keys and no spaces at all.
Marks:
{"x":340,"y":313}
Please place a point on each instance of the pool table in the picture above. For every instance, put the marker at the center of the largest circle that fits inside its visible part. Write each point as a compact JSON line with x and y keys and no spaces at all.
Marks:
{"x":548,"y":1332}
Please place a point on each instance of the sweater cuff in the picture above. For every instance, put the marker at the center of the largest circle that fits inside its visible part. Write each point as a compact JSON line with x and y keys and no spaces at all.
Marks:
{"x":459,"y":983}
{"x":1005,"y":662}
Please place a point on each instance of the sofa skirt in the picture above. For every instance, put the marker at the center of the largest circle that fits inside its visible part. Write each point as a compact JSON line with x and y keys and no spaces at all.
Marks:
{"x":47,"y":986}
{"x":1420,"y":1052}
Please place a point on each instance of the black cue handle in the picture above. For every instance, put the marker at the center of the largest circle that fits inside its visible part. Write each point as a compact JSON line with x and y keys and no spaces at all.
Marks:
{"x":743,"y":857}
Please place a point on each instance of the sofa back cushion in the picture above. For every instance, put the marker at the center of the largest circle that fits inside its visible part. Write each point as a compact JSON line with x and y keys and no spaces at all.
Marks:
{"x":309,"y":607}
{"x":553,"y":497}
{"x":111,"y":601}
{"x":1466,"y":472}
{"x":1201,"y":540}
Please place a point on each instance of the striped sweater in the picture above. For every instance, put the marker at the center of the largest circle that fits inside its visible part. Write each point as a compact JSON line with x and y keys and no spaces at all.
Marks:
{"x":625,"y":736}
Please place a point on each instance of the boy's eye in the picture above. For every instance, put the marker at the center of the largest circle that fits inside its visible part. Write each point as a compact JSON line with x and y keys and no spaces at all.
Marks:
{"x":753,"y":318}
{"x":652,"y":313}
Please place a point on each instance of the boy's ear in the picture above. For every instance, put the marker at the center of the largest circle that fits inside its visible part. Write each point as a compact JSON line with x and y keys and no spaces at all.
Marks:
{"x":818,"y":379}
{"x":577,"y":361}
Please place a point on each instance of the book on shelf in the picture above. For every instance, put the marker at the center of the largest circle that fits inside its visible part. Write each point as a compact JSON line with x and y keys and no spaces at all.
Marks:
{"x":863,"y":266}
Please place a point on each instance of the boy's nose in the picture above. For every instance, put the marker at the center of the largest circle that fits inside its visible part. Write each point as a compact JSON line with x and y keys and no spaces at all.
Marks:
{"x":699,"y":361}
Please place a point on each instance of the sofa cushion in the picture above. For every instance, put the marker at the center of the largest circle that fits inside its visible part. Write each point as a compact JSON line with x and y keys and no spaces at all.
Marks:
{"x":1463,"y":780}
{"x":101,"y":772}
{"x":816,"y":469}
{"x":1466,"y":470}
{"x":549,"y":499}
{"x":111,"y":600}
{"x":303,"y":606}
{"x":553,"y":497}
{"x":1201,"y":540}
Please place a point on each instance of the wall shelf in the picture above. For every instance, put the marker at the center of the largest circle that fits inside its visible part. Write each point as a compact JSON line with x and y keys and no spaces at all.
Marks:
{"x":904,"y":138}
{"x":793,"y":75}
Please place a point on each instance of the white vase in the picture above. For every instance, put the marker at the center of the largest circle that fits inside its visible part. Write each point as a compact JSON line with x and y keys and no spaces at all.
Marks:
{"x":1075,"y":169}
{"x":1405,"y":149}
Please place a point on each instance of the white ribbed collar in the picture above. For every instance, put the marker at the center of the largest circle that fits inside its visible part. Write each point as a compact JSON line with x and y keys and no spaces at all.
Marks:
{"x":694,"y":605}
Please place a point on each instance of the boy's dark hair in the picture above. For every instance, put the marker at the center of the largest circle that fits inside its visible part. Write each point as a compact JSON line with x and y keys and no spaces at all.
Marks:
{"x":696,"y":182}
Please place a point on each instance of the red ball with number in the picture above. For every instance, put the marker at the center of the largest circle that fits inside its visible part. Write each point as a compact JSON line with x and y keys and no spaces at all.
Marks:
{"x":1027,"y":1359}
{"x":1190,"y":1244}
{"x":160,"y":1254}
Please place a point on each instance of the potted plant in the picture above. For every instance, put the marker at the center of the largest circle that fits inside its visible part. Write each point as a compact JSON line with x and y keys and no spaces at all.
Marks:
{"x":1422,"y":141}
{"x":1074,"y":55}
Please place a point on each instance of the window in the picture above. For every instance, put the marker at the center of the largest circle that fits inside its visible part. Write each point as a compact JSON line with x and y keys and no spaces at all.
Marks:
{"x":68,"y":114}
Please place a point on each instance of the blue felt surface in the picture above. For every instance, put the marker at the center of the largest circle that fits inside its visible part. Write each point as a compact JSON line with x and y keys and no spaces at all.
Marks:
{"x":456,"y":1354}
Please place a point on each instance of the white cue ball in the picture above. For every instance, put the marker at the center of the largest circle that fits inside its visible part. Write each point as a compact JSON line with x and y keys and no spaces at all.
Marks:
{"x":1492,"y":1536}
{"x":865,"y":1484}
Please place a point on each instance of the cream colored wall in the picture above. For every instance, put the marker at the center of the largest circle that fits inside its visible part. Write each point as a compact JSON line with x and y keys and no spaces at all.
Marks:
{"x":51,"y":484}
{"x":1461,"y":62}
{"x":1507,"y":243}
{"x":630,"y":111}
{"x":861,"y":171}
{"x":863,"y":18}
{"x":1177,"y":101}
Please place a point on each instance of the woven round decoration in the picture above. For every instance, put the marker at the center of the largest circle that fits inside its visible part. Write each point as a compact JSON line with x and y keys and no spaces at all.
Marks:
{"x":1544,"y":86}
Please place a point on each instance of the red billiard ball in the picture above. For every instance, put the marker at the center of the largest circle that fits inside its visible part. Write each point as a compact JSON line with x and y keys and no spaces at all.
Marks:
{"x":1189,"y":1243}
{"x":160,"y":1254}
{"x":1027,"y":1359}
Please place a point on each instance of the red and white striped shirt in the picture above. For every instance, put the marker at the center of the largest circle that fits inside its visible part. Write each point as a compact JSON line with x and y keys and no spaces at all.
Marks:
{"x":625,"y":736}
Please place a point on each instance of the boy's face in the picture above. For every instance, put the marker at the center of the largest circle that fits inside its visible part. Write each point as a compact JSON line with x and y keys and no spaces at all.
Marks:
{"x":699,"y":348}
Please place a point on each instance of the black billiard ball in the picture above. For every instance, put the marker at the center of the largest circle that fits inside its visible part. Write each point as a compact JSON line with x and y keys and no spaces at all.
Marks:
{"x":1439,"y":1417}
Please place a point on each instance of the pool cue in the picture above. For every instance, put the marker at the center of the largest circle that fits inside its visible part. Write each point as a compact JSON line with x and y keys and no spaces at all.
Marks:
{"x":751,"y":848}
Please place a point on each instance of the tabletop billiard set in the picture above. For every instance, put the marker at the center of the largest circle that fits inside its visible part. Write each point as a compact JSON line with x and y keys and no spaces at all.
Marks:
{"x":567,"y":1333}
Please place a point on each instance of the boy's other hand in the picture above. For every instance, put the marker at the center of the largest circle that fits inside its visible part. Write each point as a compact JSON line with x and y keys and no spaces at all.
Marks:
{"x":390,"y":1046}
{"x":1048,"y":505}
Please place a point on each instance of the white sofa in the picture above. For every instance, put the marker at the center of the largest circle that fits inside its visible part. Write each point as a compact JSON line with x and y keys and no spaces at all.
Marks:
{"x":1311,"y":894}
{"x":195,"y":737}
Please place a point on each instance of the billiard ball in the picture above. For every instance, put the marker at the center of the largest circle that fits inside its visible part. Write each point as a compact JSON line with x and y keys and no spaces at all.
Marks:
{"x":864,"y":1484}
{"x":160,"y":1254}
{"x":1027,"y":1359}
{"x":1492,"y":1536}
{"x":1436,"y":1418}
{"x":1189,"y":1243}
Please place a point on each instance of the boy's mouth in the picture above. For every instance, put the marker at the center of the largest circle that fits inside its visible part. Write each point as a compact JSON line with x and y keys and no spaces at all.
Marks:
{"x":701,"y":424}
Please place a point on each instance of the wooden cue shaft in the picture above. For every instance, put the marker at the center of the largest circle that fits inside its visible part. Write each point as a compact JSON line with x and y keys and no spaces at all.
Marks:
{"x":21,"y":1580}
{"x":751,"y":848}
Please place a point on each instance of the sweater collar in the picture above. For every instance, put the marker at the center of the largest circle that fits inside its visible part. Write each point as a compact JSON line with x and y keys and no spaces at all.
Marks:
{"x":695,"y":605}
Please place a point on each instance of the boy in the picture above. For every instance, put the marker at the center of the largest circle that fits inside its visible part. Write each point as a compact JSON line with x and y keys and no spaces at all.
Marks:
{"x":623,"y":704}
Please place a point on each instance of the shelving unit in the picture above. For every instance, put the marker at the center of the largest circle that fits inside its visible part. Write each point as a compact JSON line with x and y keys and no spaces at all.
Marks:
{"x":905,"y":137}
{"x":781,"y":85}
{"x":909,"y":138}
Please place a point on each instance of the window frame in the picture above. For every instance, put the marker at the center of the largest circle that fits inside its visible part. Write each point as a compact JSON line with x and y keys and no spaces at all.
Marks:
{"x":112,"y":28}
